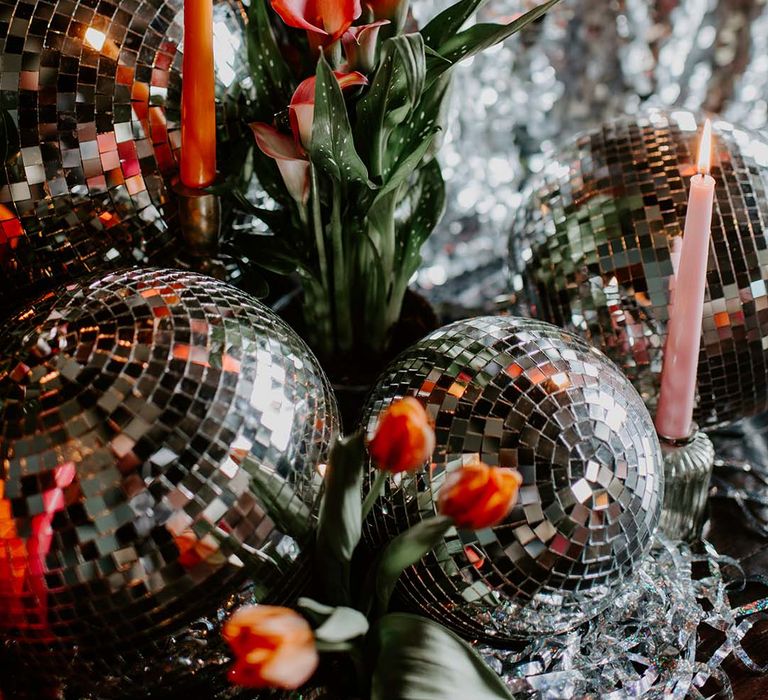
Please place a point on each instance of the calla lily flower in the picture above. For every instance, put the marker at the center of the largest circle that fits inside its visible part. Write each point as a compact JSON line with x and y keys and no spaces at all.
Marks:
{"x":327,"y":19}
{"x":393,"y":10}
{"x":302,"y":107}
{"x":291,"y":158}
{"x":360,"y":45}
{"x":290,"y":151}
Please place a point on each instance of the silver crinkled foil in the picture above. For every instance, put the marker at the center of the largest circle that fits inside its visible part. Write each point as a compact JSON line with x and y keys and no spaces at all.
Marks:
{"x":160,"y":436}
{"x":592,"y":250}
{"x":524,"y":394}
{"x":90,"y":132}
{"x":646,"y":644}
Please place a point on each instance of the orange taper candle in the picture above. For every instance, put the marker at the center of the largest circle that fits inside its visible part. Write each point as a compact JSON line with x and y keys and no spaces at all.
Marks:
{"x":198,"y":98}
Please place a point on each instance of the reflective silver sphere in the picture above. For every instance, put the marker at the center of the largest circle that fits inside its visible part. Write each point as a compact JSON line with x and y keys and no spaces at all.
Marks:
{"x":90,"y":133}
{"x":160,"y":433}
{"x":521,"y":393}
{"x":592,"y":249}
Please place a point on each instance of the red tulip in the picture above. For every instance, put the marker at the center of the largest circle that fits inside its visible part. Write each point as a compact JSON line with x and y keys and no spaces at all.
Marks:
{"x":404,"y":438}
{"x":360,"y":45}
{"x":477,"y":496}
{"x":326,"y":19}
{"x":274,"y":647}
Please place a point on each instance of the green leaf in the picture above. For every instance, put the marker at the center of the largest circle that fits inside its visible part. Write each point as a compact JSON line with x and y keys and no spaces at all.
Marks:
{"x":449,"y":22}
{"x":342,"y":625}
{"x":333,"y":149}
{"x":271,"y":76}
{"x":318,"y":612}
{"x":404,"y":167}
{"x":428,"y":194}
{"x":419,"y":659}
{"x":406,"y":550}
{"x":393,"y":95}
{"x":267,"y":252}
{"x":279,"y":499}
{"x":479,"y":37}
{"x":340,"y":521}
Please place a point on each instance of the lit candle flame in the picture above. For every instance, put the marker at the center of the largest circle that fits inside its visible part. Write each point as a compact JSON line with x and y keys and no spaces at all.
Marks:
{"x":705,"y":149}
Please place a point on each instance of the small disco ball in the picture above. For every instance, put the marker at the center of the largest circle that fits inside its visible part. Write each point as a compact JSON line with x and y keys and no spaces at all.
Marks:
{"x":521,"y":393}
{"x":592,"y":252}
{"x":90,"y":132}
{"x":160,"y":435}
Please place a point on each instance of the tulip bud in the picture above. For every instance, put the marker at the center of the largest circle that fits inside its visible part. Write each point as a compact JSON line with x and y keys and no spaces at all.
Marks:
{"x":477,"y":496}
{"x":274,"y":647}
{"x":404,"y":438}
{"x":360,"y":45}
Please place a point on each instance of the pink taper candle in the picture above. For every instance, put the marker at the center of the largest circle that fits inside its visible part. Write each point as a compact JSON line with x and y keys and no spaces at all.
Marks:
{"x":674,"y":414}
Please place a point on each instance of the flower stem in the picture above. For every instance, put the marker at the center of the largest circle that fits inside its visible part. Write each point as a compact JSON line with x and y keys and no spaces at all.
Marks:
{"x":340,"y":287}
{"x":376,"y":490}
{"x":324,"y":336}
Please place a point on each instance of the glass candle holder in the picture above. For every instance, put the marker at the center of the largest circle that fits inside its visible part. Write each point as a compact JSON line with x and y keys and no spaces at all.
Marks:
{"x":687,"y":470}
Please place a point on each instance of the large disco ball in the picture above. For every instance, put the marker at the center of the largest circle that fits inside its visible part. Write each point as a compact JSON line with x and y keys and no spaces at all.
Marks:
{"x":522,"y":393}
{"x":592,"y":252}
{"x":89,"y":134}
{"x":160,"y":433}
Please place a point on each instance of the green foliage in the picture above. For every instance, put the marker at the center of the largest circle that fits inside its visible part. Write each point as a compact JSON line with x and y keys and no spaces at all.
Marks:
{"x":333,"y":147}
{"x":340,"y":521}
{"x":376,"y":191}
{"x":417,"y":659}
{"x":406,"y":550}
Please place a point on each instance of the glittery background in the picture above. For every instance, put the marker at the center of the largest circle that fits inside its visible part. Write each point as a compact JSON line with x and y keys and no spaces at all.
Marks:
{"x":160,"y":432}
{"x":524,"y":394}
{"x":586,"y":62}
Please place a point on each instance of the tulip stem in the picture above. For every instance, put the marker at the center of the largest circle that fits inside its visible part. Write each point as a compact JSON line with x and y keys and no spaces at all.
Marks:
{"x":406,"y":550}
{"x":376,"y":491}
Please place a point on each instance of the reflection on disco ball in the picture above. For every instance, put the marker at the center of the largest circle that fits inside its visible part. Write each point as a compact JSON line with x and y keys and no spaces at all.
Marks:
{"x":159,"y":435}
{"x":89,"y":134}
{"x":592,"y":250}
{"x":521,"y":393}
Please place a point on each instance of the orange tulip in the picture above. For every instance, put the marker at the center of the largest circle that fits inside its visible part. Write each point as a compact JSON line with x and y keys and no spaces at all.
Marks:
{"x":404,"y":438}
{"x":274,"y":647}
{"x":478,"y":496}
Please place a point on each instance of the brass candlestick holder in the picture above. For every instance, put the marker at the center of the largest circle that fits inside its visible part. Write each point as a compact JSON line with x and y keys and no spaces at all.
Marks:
{"x":688,"y":467}
{"x":200,"y":224}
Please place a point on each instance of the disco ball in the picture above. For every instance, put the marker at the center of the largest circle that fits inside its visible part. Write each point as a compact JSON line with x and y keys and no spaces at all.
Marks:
{"x":160,"y":433}
{"x":89,"y":134}
{"x":592,"y":252}
{"x":522,"y":393}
